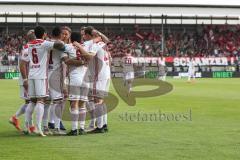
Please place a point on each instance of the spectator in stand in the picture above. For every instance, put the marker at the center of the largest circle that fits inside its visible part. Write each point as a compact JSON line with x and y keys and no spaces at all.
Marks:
{"x":1,"y":60}
{"x":206,"y":40}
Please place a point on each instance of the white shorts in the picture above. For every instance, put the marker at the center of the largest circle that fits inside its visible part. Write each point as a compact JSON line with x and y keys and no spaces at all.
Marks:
{"x":191,"y":73}
{"x":78,"y":89}
{"x":23,"y":93}
{"x":128,"y":75}
{"x":99,"y":88}
{"x":54,"y":94}
{"x":37,"y":88}
{"x":55,"y":85}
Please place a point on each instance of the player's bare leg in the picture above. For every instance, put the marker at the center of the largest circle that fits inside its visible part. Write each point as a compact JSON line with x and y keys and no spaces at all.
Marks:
{"x":129,"y":87}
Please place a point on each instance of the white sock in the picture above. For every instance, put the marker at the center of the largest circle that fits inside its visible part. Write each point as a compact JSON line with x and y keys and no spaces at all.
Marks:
{"x":28,"y":115}
{"x":92,"y":120}
{"x":82,"y":117}
{"x":129,"y":87}
{"x":58,"y":114}
{"x":99,"y":115}
{"x":91,"y":106}
{"x":189,"y":78}
{"x":104,"y":114}
{"x":21,"y":110}
{"x":39,"y":115}
{"x":45,"y":115}
{"x":52,"y":114}
{"x":164,"y":78}
{"x":74,"y":116}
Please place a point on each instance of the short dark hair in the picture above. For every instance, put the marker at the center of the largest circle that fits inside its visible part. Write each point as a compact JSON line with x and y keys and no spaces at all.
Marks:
{"x":88,"y":30}
{"x":75,"y":36}
{"x":56,"y":31}
{"x":83,"y":28}
{"x":39,"y":31}
{"x":30,"y":35}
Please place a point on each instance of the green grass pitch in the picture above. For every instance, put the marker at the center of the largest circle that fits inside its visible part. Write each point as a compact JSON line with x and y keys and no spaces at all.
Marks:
{"x":211,"y":133}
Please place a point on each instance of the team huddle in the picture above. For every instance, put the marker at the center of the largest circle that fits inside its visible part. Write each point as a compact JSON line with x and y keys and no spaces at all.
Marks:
{"x":71,"y":67}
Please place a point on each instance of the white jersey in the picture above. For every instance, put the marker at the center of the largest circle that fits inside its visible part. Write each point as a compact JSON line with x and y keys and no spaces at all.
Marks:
{"x":38,"y":54}
{"x":55,"y":62}
{"x":99,"y":66}
{"x":22,"y":57}
{"x":73,"y":53}
{"x":161,"y":62}
{"x":127,"y":63}
{"x":191,"y":67}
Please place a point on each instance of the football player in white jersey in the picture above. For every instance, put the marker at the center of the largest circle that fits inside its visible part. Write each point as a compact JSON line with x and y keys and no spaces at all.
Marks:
{"x":65,"y":37}
{"x":38,"y":57}
{"x":127,"y":63}
{"x":78,"y":83}
{"x":23,"y":68}
{"x":99,"y":76}
{"x":56,"y":82}
{"x":191,"y":70}
{"x":162,"y":69}
{"x":106,"y":70}
{"x":82,"y":33}
{"x":65,"y":34}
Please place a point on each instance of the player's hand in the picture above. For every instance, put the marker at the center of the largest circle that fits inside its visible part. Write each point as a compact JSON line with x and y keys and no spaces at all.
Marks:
{"x":76,"y":44}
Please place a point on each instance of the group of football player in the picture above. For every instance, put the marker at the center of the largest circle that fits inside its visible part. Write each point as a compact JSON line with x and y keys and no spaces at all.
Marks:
{"x":63,"y":68}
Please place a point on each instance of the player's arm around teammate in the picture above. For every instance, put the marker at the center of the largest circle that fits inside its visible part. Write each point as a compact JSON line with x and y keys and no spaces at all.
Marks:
{"x":97,"y":34}
{"x":38,"y":60}
{"x":100,"y":77}
{"x":83,"y":52}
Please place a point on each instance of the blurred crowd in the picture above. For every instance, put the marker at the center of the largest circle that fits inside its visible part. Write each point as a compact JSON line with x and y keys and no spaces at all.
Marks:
{"x":10,"y":48}
{"x":203,"y":41}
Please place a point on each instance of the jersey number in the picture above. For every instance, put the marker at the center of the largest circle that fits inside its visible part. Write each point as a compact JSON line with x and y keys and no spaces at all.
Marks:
{"x":128,"y":61}
{"x":34,"y":56}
